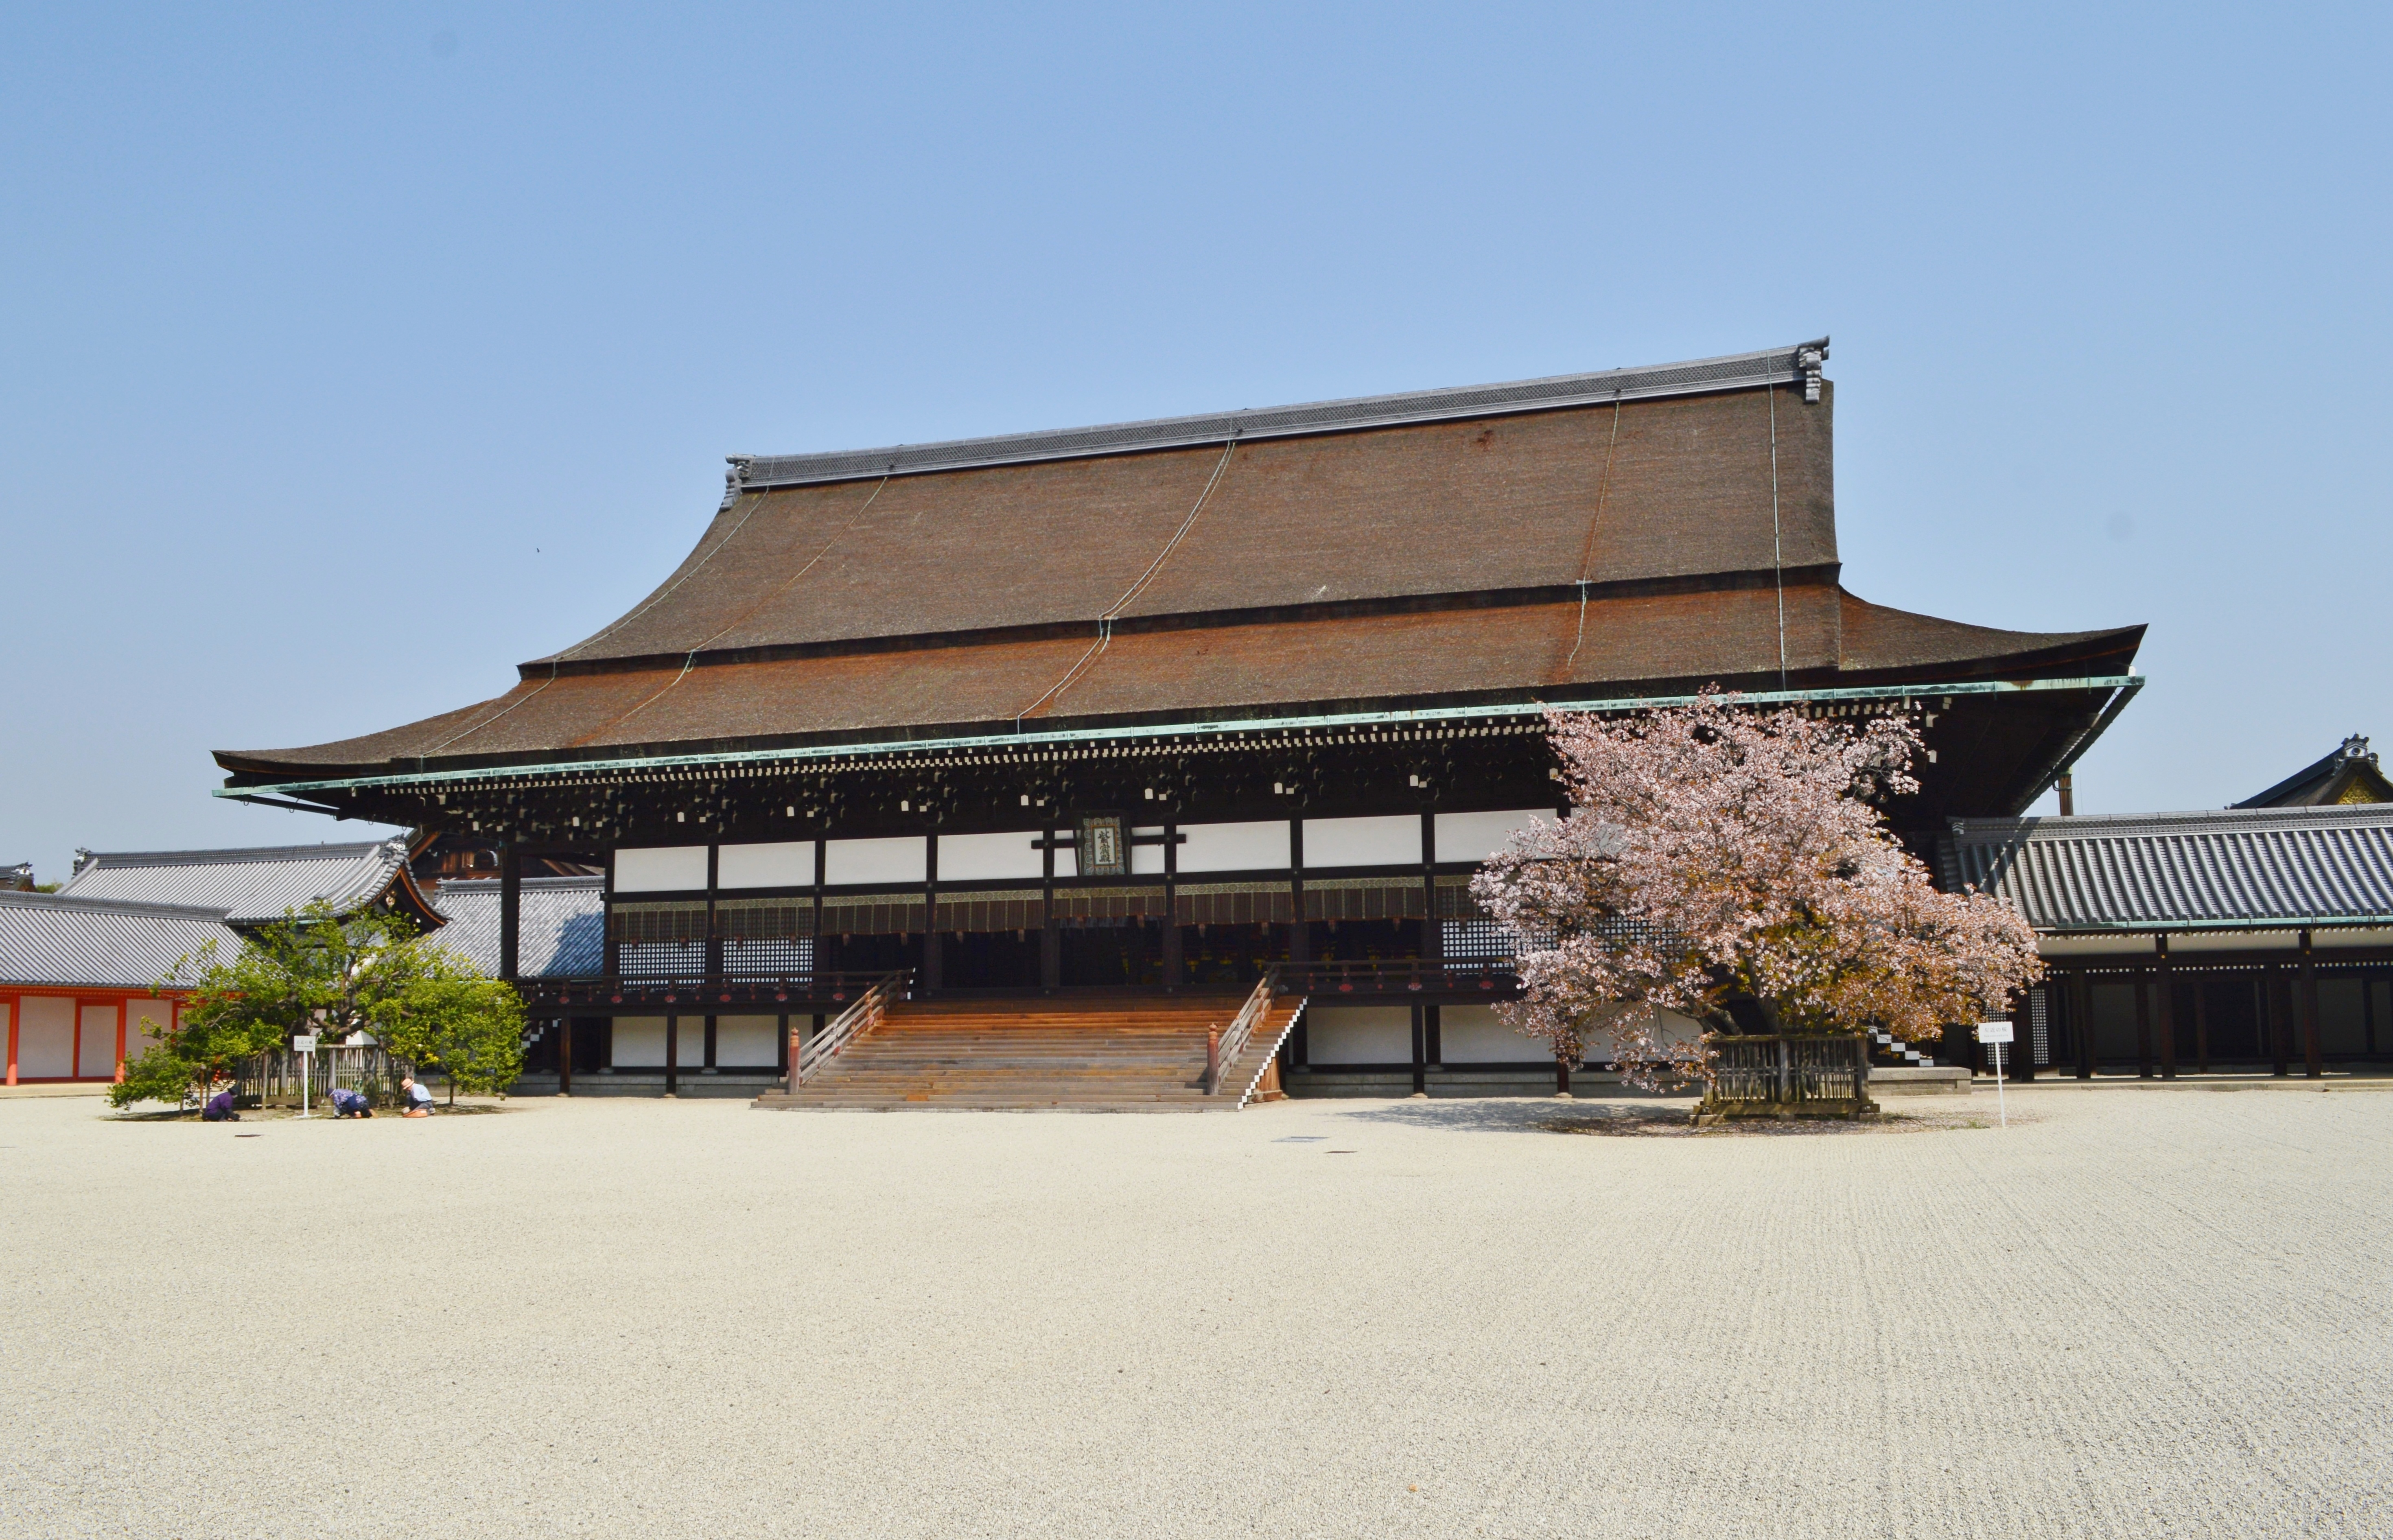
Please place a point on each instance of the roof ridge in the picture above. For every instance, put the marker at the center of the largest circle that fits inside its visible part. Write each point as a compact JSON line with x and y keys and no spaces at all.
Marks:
{"x":10,"y":897}
{"x":1796,"y":363}
{"x":233,"y":855}
{"x":2053,"y":826}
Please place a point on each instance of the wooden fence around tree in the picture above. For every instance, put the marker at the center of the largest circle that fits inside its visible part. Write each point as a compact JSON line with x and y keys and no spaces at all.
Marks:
{"x":1787,"y":1076}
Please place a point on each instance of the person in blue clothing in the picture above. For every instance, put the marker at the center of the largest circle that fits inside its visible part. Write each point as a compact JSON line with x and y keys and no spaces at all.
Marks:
{"x":419,"y":1099}
{"x":350,"y":1103}
{"x":219,"y":1109}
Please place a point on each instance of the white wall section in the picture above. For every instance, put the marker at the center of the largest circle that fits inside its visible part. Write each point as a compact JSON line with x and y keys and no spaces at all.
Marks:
{"x":98,"y":1055}
{"x":1236,"y":847}
{"x":1391,"y":841}
{"x":747,"y":1042}
{"x":44,"y":1038}
{"x":787,"y":864}
{"x":1476,"y":836}
{"x":1474,"y":1035}
{"x":989,"y":857}
{"x":662,"y":869}
{"x":903,"y":859}
{"x":1358,"y":1034}
{"x":639,"y":1042}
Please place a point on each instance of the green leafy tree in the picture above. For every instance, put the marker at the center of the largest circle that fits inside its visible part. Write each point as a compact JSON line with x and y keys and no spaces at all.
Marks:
{"x":453,"y":1018}
{"x":312,"y":970}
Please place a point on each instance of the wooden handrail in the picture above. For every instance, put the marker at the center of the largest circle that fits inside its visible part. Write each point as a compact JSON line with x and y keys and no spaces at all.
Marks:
{"x":1222,"y":1049}
{"x":850,"y":1024}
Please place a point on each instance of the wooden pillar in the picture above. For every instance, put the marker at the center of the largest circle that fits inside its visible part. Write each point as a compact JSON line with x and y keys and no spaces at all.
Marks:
{"x":1300,"y":934}
{"x":1171,"y":960}
{"x":13,"y":1000}
{"x":1433,"y":1031}
{"x":710,"y":1041}
{"x":510,"y":906}
{"x":1051,"y":945}
{"x":564,"y":1055}
{"x":2168,"y":987}
{"x":2271,"y":1019}
{"x":2201,"y":1028}
{"x":2081,"y":1013}
{"x":2143,"y":1022}
{"x":672,"y":1055}
{"x":2313,"y":1061}
{"x":122,"y":1006}
{"x":1420,"y":1052}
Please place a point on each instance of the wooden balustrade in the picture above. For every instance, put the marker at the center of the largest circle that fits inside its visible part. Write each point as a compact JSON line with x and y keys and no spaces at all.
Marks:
{"x":850,"y":1024}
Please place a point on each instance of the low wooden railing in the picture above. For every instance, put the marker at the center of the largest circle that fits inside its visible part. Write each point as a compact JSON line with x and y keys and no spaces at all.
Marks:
{"x":558,"y":995}
{"x":1394,"y":975}
{"x":1778,"y":1076}
{"x":1222,"y":1049}
{"x":850,"y":1024}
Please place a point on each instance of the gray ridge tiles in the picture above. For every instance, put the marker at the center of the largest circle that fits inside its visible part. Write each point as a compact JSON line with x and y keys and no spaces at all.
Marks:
{"x":1732,"y":371}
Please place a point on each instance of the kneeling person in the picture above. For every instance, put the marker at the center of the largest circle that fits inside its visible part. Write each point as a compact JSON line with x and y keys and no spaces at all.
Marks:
{"x":350,"y":1103}
{"x":419,"y":1098}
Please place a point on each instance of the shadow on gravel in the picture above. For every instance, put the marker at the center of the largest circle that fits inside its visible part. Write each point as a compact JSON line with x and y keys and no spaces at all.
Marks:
{"x":1654,"y":1120}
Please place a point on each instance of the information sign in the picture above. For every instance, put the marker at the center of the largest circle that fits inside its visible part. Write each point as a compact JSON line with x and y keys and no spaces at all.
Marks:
{"x":1994,"y":1035}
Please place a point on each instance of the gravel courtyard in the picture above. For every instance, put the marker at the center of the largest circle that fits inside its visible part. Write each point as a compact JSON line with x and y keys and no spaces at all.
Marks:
{"x":2135,"y":1312}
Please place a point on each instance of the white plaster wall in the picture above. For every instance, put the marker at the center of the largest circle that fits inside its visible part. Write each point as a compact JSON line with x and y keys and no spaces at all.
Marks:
{"x":639,"y":1042}
{"x":786,"y":864}
{"x":1237,"y":847}
{"x":689,"y":1044}
{"x":99,"y":1054}
{"x":1358,"y":1034}
{"x":1147,"y":860}
{"x":749,"y":1042}
{"x":660,"y":869}
{"x":1391,"y":841}
{"x":161,"y":1014}
{"x":903,"y":859}
{"x":44,"y":1038}
{"x":1474,"y":1035}
{"x":986,"y":857}
{"x":1476,"y":836}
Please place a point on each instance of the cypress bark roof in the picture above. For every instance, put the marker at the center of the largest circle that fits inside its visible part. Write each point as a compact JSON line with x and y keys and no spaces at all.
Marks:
{"x":1494,"y":545}
{"x":255,"y":885}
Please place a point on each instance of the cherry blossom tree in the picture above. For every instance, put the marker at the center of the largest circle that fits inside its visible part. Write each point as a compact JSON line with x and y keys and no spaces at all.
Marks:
{"x":1732,"y":866}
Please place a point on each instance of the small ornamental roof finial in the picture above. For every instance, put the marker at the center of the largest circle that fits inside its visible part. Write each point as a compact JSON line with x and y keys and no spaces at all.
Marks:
{"x":735,"y":480}
{"x":1808,"y":357}
{"x":83,"y":858}
{"x":2356,"y":747}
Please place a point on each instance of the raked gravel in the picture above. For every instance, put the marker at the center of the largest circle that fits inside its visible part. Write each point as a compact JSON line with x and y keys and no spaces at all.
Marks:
{"x":2134,"y":1313}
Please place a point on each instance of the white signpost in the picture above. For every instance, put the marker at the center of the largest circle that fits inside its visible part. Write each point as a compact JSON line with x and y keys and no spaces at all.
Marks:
{"x":1994,"y":1035}
{"x":305,"y":1046}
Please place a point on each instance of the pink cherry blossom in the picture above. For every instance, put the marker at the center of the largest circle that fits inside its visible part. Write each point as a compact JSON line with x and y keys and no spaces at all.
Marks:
{"x":1733,"y":866}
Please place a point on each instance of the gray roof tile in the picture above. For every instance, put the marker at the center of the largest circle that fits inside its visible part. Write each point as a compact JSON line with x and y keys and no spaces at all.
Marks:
{"x":2241,"y":868}
{"x":251,"y":886}
{"x":561,"y":932}
{"x":57,"y":939}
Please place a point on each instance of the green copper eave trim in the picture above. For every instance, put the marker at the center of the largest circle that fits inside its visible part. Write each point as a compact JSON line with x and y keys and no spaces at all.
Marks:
{"x":1184,"y":729}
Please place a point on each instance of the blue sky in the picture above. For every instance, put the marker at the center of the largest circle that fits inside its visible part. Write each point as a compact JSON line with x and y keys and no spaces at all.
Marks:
{"x":354,"y":354}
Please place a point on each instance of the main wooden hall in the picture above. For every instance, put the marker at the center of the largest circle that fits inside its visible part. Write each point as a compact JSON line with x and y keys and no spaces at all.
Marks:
{"x":1194,"y":723}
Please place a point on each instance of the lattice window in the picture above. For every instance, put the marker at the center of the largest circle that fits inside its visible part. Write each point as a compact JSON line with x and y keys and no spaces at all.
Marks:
{"x":1097,"y":907}
{"x":873,"y":914}
{"x":659,"y":939}
{"x":2039,"y":1026}
{"x":768,"y":936}
{"x":1478,"y":941}
{"x":1011,"y":909}
{"x":1233,"y":903}
{"x":1365,"y":898}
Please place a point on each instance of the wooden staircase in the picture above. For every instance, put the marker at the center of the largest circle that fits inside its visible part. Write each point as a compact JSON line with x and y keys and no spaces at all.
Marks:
{"x":1110,"y":1054}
